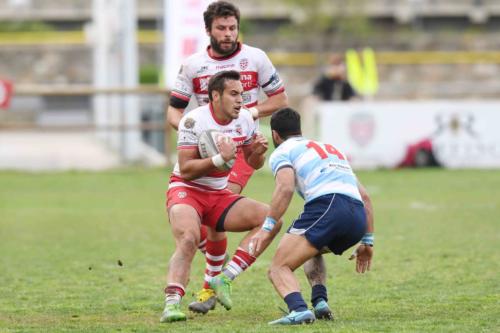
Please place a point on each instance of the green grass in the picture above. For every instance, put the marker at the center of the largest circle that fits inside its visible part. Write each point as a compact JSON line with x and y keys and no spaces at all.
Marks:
{"x":436,"y":265}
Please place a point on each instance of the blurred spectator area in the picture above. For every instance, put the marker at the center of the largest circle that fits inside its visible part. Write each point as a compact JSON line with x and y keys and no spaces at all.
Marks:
{"x":402,"y":10}
{"x":425,"y":48}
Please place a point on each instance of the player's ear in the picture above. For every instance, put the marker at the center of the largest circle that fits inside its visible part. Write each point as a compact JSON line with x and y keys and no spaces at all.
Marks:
{"x":275,"y":135}
{"x":215,"y":95}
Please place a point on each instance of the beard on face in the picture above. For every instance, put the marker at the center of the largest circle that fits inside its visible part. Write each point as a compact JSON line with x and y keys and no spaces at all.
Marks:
{"x":218,"y":48}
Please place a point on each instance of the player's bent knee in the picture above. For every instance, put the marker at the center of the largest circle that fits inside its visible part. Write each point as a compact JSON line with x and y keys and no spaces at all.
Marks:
{"x":188,"y":242}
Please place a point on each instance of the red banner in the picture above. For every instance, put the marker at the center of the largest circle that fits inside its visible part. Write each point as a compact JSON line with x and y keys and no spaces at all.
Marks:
{"x":5,"y":93}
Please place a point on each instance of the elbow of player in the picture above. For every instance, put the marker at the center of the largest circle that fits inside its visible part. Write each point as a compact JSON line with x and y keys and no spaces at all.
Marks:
{"x":173,"y":122}
{"x":284,"y":101}
{"x":366,"y":199}
{"x":286,"y":190}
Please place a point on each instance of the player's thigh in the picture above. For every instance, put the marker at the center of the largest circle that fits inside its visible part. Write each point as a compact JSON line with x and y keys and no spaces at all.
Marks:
{"x":245,"y":214}
{"x":293,"y":251}
{"x":184,"y":222}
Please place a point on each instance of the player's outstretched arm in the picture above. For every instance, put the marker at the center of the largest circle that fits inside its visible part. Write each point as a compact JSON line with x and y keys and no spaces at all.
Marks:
{"x":282,"y":196}
{"x":255,"y":153}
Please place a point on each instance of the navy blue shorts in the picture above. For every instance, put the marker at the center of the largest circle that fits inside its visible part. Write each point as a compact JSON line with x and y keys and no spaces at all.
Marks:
{"x":335,"y":221}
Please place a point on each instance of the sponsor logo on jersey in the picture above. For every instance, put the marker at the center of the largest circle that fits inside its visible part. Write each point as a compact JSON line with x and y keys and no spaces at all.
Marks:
{"x":247,"y":98}
{"x":200,"y":84}
{"x":223,"y":67}
{"x":243,"y":64}
{"x":202,"y":70}
{"x":181,"y":195}
{"x":249,"y":80}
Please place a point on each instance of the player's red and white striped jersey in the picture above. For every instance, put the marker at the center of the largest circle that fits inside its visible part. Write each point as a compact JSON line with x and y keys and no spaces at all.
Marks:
{"x":192,"y":124}
{"x":253,"y":64}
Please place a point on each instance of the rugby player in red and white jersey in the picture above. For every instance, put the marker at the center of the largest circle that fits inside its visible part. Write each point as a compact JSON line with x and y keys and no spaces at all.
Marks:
{"x":257,"y":72}
{"x":198,"y":191}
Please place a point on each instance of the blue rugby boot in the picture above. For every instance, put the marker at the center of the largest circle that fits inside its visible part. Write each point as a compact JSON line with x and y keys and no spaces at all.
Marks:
{"x":322,"y":311}
{"x":295,"y":318}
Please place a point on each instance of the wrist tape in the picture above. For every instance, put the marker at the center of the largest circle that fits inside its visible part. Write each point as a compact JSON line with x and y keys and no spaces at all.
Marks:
{"x":268,"y":224}
{"x":368,"y":239}
{"x":218,"y":161}
{"x":254,"y":111}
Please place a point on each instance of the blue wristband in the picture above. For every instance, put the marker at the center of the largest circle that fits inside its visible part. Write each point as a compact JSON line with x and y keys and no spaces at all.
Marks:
{"x":269,"y":223}
{"x":368,"y":239}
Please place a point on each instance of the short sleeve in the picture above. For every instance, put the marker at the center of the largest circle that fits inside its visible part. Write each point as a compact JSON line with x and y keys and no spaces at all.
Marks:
{"x":269,"y":79}
{"x":278,"y":160}
{"x":183,"y":88}
{"x":187,"y":136}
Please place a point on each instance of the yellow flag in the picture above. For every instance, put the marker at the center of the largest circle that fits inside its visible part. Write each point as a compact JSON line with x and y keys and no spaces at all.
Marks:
{"x":363,"y":76}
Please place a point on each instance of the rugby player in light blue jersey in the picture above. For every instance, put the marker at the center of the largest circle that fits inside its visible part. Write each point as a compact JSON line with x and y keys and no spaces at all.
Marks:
{"x":337,"y":214}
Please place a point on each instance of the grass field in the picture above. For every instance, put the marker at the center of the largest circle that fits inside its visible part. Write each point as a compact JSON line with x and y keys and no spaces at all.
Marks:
{"x":62,"y":236}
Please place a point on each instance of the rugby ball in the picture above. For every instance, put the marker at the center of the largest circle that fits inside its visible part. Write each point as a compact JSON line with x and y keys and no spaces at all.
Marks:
{"x":207,"y":146}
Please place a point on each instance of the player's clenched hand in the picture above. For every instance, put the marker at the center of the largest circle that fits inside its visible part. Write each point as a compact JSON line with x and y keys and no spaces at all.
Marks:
{"x":363,"y":255}
{"x":227,"y":148}
{"x":256,"y":242}
{"x":260,"y":144}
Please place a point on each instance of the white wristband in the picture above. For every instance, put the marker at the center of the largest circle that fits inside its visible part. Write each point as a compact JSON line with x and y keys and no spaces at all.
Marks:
{"x":218,"y":161}
{"x":254,"y":112}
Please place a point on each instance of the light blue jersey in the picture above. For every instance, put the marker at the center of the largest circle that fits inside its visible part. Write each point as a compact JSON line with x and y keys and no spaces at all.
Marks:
{"x":319,"y":168}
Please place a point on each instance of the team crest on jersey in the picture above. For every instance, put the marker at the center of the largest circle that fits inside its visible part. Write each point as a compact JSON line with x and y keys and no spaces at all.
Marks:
{"x":181,"y":195}
{"x":189,"y":123}
{"x":243,"y":64}
{"x":362,"y":128}
{"x":238,"y":129}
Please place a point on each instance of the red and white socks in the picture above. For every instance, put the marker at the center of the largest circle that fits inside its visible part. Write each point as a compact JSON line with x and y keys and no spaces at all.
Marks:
{"x":214,"y":256}
{"x":174,"y":293}
{"x":238,"y":264}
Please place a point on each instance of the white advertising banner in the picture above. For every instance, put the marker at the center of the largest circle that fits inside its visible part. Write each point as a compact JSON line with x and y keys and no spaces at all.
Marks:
{"x":458,"y":134}
{"x":184,"y":34}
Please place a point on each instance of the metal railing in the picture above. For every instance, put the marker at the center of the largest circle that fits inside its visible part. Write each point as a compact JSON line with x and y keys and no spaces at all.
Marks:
{"x":44,"y":91}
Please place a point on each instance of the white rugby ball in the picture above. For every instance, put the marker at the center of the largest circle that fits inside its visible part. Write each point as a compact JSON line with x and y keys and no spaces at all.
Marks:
{"x":207,"y":146}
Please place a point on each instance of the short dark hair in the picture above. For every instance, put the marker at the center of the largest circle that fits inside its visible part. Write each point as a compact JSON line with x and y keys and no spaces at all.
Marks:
{"x":220,"y":9}
{"x":286,"y":122}
{"x":218,"y":81}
